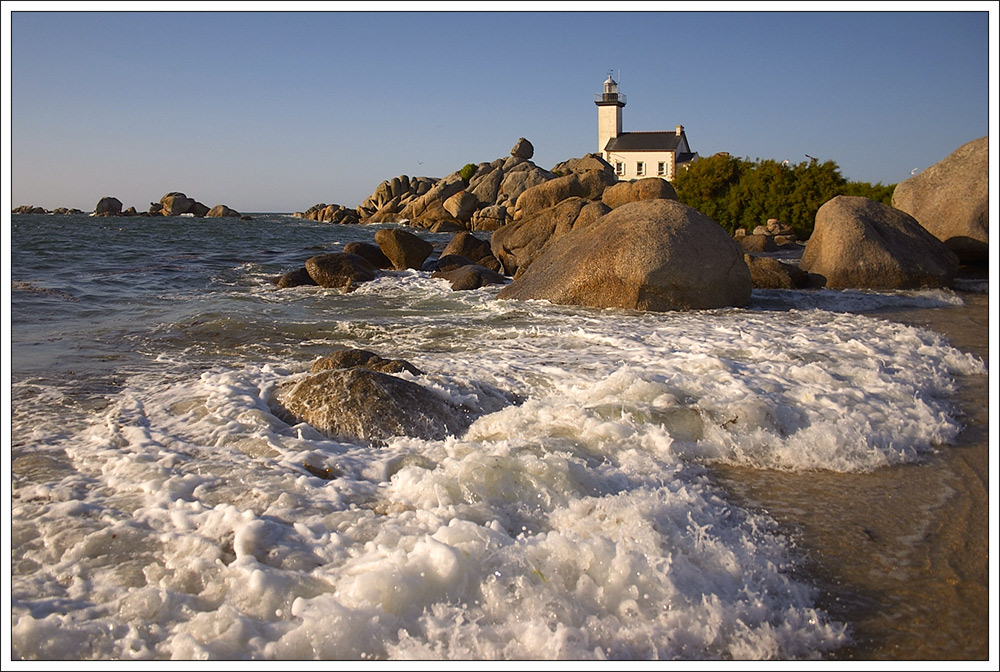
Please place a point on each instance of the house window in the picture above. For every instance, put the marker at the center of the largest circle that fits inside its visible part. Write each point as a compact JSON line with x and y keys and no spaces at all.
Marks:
{"x":619,"y":168}
{"x":661,"y":168}
{"x":640,"y":168}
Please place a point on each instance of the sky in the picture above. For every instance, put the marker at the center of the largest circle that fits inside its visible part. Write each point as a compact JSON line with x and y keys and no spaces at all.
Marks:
{"x":275,"y":111}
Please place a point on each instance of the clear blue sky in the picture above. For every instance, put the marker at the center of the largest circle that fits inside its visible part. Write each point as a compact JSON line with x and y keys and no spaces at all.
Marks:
{"x":277,"y":111}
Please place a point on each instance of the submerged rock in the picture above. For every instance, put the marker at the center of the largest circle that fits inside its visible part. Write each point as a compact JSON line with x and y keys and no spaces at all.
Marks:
{"x":361,"y":405}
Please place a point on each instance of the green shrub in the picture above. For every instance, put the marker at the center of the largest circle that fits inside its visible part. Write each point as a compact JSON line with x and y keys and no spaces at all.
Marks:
{"x":739,"y":193}
{"x":468,"y":170}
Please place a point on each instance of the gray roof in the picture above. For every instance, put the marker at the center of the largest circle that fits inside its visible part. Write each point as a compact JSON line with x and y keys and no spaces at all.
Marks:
{"x":644,"y":141}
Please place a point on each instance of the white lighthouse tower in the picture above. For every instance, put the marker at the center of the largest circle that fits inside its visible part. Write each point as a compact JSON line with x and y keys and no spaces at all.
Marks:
{"x":609,"y":113}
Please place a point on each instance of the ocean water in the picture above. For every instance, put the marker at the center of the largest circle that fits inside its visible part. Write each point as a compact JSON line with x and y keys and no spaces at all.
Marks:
{"x":160,"y":509}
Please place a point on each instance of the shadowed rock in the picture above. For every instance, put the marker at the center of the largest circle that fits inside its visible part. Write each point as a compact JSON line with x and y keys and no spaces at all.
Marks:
{"x":340,"y":270}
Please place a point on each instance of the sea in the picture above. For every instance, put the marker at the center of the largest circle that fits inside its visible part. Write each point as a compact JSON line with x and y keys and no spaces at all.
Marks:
{"x":160,"y":509}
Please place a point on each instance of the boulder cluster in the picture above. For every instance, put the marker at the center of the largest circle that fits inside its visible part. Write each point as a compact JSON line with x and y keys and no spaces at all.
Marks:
{"x":39,"y":210}
{"x":174,"y":203}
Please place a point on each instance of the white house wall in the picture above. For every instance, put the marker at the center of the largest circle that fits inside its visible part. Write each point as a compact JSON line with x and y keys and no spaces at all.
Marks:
{"x":649,"y":159}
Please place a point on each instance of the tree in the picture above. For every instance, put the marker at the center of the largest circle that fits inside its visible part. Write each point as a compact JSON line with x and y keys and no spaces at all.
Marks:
{"x":739,"y":193}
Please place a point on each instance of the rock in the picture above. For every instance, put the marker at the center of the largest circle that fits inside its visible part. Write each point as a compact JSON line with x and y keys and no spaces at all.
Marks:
{"x":297,"y":278}
{"x":951,"y":200}
{"x":156,"y":208}
{"x":109,"y":206}
{"x":478,"y":251}
{"x":449,"y":262}
{"x":545,"y":195}
{"x":490,"y":218}
{"x":517,"y":244}
{"x":372,"y":253}
{"x":757,"y":242}
{"x":222,"y":211}
{"x":445,"y":226}
{"x":487,"y":188}
{"x":350,"y":358}
{"x":340,"y":270}
{"x":771,"y":273}
{"x":628,"y":192}
{"x":860,"y":243}
{"x":461,"y":205}
{"x":775,"y":228}
{"x":522,"y":149}
{"x":198,"y":209}
{"x":175,"y":203}
{"x":402,"y":248}
{"x":516,"y":180}
{"x":470,"y":276}
{"x":646,"y":255}
{"x":361,"y":405}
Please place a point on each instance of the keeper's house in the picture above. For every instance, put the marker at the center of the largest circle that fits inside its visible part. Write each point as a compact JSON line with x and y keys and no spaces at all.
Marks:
{"x":637,"y":155}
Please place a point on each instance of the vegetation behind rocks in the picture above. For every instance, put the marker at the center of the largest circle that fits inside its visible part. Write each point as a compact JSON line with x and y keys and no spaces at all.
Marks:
{"x":740,"y":193}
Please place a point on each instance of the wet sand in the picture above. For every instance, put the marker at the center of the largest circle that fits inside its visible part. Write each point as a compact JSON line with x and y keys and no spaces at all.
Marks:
{"x":901,"y":554}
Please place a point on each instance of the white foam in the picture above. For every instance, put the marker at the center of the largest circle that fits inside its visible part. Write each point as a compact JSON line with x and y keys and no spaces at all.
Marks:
{"x":578,"y":523}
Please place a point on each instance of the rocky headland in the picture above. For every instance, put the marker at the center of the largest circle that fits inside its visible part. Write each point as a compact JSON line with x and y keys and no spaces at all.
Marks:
{"x":576,"y":235}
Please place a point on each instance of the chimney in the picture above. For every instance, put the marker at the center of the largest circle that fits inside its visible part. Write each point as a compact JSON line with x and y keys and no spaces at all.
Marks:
{"x":680,"y":129}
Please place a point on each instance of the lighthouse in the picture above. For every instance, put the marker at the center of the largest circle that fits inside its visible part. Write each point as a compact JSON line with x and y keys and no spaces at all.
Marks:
{"x":609,"y":113}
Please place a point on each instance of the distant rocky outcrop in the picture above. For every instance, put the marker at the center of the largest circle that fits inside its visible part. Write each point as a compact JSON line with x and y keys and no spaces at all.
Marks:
{"x":109,"y":206}
{"x":951,"y":200}
{"x":333,"y":214}
{"x":860,"y":243}
{"x":654,"y":254}
{"x":222,"y":211}
{"x":38,"y":210}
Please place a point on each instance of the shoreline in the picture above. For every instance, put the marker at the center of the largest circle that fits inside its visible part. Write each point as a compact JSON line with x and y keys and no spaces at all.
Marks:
{"x":900,"y":554}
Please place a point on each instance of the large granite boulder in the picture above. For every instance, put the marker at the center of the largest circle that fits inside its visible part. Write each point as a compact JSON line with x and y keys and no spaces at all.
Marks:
{"x":545,"y":195}
{"x":361,"y":405}
{"x":403,"y":249}
{"x":863,"y":244}
{"x":461,"y":205}
{"x":340,"y":271}
{"x":646,"y":255}
{"x":646,"y":188}
{"x":951,"y":200}
{"x":517,"y":244}
{"x":519,"y":178}
{"x":109,"y":206}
